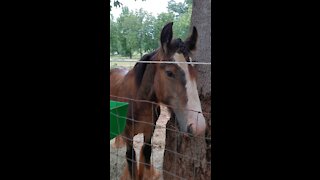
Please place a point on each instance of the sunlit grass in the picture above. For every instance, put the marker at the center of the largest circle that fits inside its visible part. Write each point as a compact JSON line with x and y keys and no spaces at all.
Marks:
{"x":122,"y":64}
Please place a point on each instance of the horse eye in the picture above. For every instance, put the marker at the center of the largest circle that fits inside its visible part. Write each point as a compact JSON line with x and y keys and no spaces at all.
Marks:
{"x":169,"y":74}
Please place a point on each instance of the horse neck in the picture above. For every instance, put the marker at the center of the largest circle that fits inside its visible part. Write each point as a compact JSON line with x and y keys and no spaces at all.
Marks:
{"x":135,"y":84}
{"x":144,"y":77}
{"x":122,"y":85}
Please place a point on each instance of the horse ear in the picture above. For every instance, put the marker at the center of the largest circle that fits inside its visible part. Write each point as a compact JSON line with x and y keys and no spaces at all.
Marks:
{"x":166,"y":36}
{"x":191,"y":41}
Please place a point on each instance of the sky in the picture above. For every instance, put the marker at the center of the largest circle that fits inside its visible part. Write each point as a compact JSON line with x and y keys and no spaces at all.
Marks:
{"x":153,"y":6}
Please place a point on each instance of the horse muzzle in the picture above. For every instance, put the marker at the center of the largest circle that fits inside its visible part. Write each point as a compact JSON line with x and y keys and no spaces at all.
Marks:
{"x":192,"y":123}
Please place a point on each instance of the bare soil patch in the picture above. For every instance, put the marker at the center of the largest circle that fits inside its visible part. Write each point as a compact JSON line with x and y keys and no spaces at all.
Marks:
{"x":117,"y":156}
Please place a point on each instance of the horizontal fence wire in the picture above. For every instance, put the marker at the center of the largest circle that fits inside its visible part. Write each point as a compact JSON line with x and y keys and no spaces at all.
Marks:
{"x":162,"y":62}
{"x":176,"y":153}
{"x":154,"y":103}
{"x":155,"y":126}
{"x":124,"y":157}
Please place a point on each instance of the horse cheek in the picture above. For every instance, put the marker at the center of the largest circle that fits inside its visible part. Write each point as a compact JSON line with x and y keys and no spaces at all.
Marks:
{"x":157,"y":89}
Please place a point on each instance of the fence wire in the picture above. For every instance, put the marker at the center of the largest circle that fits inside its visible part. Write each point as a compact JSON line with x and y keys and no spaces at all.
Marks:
{"x":162,"y":62}
{"x":121,"y":156}
{"x":118,"y":157}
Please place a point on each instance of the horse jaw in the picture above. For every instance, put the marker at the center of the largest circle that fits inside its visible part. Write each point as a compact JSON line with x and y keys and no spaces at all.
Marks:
{"x":190,"y":118}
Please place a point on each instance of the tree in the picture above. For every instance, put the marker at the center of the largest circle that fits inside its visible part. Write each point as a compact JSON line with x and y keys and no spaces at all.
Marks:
{"x":139,"y":31}
{"x":133,"y":31}
{"x":117,"y":3}
{"x":148,"y":31}
{"x":177,"y":8}
{"x":128,"y":26}
{"x":197,"y":148}
{"x":113,"y":36}
{"x":201,"y":18}
{"x":182,"y":23}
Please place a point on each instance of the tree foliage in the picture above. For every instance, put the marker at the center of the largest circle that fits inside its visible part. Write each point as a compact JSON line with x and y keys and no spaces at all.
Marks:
{"x":115,"y":3}
{"x":177,"y":8}
{"x":138,"y":32}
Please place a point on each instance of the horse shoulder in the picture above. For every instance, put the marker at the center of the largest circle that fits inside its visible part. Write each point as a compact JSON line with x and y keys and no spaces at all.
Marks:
{"x":122,"y":83}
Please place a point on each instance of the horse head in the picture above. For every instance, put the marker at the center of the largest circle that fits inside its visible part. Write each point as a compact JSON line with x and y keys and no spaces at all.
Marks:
{"x":175,"y":84}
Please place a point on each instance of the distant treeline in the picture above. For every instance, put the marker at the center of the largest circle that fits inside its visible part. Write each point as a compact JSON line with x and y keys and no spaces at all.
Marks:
{"x":139,"y":31}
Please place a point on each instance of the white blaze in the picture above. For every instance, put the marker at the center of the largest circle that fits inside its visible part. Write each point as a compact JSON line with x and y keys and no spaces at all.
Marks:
{"x":195,"y":118}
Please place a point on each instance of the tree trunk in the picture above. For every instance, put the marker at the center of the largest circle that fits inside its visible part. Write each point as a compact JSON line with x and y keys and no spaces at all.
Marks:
{"x":187,"y":157}
{"x":201,"y":19}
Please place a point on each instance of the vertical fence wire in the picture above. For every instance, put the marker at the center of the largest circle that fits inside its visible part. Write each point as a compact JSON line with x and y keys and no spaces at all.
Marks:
{"x":177,"y":154}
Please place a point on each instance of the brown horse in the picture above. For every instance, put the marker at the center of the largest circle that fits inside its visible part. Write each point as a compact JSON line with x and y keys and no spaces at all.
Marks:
{"x":172,"y":84}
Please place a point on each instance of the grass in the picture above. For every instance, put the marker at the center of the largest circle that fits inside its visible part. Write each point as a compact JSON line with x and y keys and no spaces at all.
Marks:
{"x":135,"y":56}
{"x":123,"y":64}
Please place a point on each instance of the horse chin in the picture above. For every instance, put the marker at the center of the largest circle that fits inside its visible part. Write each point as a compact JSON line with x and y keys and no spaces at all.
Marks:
{"x":182,"y":121}
{"x":190,"y":126}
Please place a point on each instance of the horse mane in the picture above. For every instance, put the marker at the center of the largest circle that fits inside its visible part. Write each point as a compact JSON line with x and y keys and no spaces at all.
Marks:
{"x":140,"y":68}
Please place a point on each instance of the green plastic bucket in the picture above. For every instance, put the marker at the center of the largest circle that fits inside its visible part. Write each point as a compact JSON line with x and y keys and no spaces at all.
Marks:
{"x":118,"y":116}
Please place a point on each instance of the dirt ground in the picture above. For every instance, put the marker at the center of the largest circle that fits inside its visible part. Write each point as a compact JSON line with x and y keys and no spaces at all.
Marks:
{"x":117,"y":156}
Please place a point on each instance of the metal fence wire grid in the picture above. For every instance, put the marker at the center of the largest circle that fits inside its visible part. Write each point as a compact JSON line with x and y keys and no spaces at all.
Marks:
{"x":118,"y":157}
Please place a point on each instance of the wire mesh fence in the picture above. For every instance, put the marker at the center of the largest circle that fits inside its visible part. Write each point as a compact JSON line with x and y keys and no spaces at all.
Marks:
{"x":118,"y":155}
{"x":160,"y":146}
